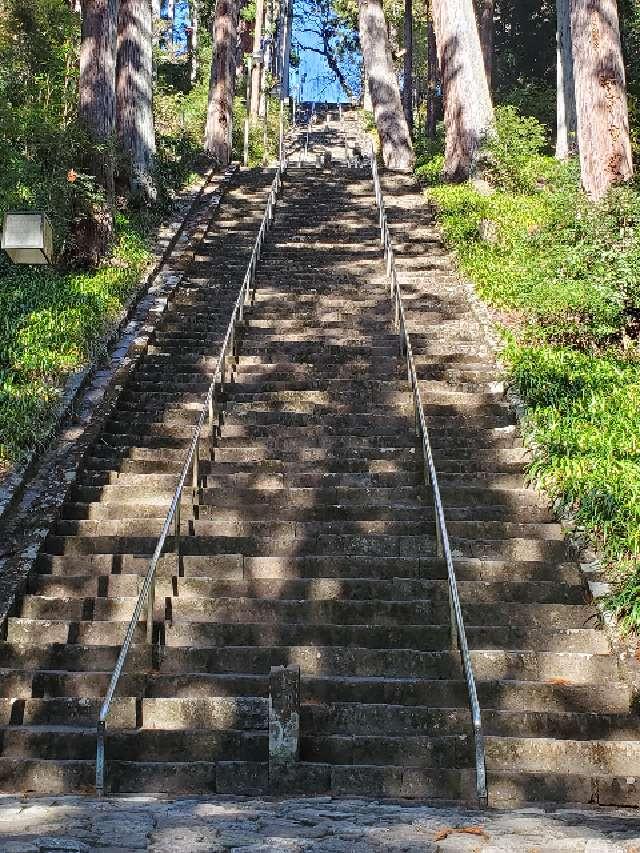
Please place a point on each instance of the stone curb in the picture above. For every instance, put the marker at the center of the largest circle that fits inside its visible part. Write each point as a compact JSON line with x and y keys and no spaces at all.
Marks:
{"x":38,"y":495}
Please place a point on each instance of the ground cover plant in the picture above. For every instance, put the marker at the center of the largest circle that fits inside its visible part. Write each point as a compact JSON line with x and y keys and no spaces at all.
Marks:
{"x":563,"y":277}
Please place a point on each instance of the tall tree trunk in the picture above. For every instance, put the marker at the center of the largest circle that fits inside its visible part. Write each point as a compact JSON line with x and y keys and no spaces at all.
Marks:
{"x":484,"y":11}
{"x":97,"y":107}
{"x":134,"y":92}
{"x":566,"y":93}
{"x":193,"y":41}
{"x":257,"y":68}
{"x":93,"y":227}
{"x":171,"y":19}
{"x":601,"y":98}
{"x":220,"y":110}
{"x":286,"y":47}
{"x":468,"y":111}
{"x":268,"y":58}
{"x":432,"y":73}
{"x":407,"y":84}
{"x":397,"y":151}
{"x":367,"y":104}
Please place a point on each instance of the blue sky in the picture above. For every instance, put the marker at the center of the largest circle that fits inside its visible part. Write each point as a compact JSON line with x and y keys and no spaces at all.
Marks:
{"x":319,"y":81}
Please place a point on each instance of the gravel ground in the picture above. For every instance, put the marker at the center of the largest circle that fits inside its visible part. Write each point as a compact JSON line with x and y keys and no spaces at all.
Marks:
{"x":161,"y":825}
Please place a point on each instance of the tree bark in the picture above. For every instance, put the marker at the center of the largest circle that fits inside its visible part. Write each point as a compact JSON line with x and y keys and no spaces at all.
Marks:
{"x":92,"y":228}
{"x":601,"y":98}
{"x":134,"y":92}
{"x":468,"y":111}
{"x":268,"y":59}
{"x":286,"y":55}
{"x":397,"y":151}
{"x":193,"y":41}
{"x":566,"y":93}
{"x":432,"y":73}
{"x":171,"y":18}
{"x":220,"y":110}
{"x":257,"y":68}
{"x":97,"y":107}
{"x":367,"y":105}
{"x":485,"y":31}
{"x":407,"y":84}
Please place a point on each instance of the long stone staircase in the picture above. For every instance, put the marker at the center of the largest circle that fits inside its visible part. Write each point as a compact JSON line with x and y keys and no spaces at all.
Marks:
{"x":312,"y":542}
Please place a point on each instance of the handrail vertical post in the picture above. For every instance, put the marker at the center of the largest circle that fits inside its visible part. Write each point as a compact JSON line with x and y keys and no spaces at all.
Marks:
{"x":196,"y":468}
{"x":100,"y":735}
{"x":176,"y":525}
{"x":151,"y":605}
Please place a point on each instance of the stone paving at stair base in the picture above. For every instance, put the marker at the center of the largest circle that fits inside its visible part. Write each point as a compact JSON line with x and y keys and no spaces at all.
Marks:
{"x":197,"y":825}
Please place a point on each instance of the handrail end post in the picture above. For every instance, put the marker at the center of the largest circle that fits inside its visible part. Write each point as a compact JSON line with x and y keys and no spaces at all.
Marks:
{"x":100,"y":733}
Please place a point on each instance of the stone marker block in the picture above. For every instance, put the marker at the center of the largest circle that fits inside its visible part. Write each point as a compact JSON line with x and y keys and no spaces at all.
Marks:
{"x":284,"y":719}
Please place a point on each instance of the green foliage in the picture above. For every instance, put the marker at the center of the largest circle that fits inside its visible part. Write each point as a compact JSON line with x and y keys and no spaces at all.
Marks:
{"x":429,"y":165}
{"x":583,"y":415}
{"x":429,"y":172}
{"x":565,"y":275}
{"x":516,"y":162}
{"x":51,"y":323}
{"x":533,"y":98}
{"x":569,"y":269}
{"x":257,"y":153}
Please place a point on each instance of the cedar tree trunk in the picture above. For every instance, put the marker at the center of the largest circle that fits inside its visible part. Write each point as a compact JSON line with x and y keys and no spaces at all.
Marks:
{"x":395,"y":140}
{"x":601,"y":98}
{"x":220,"y":110}
{"x":134,"y":92}
{"x":468,"y":112}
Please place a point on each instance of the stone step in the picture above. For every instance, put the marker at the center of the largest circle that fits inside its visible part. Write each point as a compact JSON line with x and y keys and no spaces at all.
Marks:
{"x":127,"y":585}
{"x":311,"y":541}
{"x":322,"y":611}
{"x":514,"y":695}
{"x":216,"y":507}
{"x":25,"y":653}
{"x":63,"y":743}
{"x":342,"y":661}
{"x":515,"y":548}
{"x":552,"y":755}
{"x":304,"y":531}
{"x":237,"y":567}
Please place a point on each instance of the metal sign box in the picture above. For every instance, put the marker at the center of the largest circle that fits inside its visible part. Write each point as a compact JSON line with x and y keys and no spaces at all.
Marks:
{"x":27,"y":238}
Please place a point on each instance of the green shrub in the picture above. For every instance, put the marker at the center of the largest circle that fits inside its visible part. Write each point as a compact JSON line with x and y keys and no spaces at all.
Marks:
{"x":256,"y":133}
{"x":429,"y":173}
{"x":51,"y":323}
{"x":568,"y":268}
{"x":583,"y":415}
{"x":516,"y":162}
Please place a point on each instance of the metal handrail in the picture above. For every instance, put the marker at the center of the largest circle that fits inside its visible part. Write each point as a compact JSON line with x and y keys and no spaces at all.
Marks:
{"x":147,"y":592}
{"x":443,"y":548}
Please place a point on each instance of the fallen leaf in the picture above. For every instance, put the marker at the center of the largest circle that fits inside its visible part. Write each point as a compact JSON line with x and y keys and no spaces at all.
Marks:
{"x":440,"y":836}
{"x":466,"y":830}
{"x":473,"y":830}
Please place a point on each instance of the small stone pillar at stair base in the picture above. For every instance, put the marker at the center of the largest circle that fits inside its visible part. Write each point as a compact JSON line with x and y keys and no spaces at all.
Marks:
{"x":284,"y":724}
